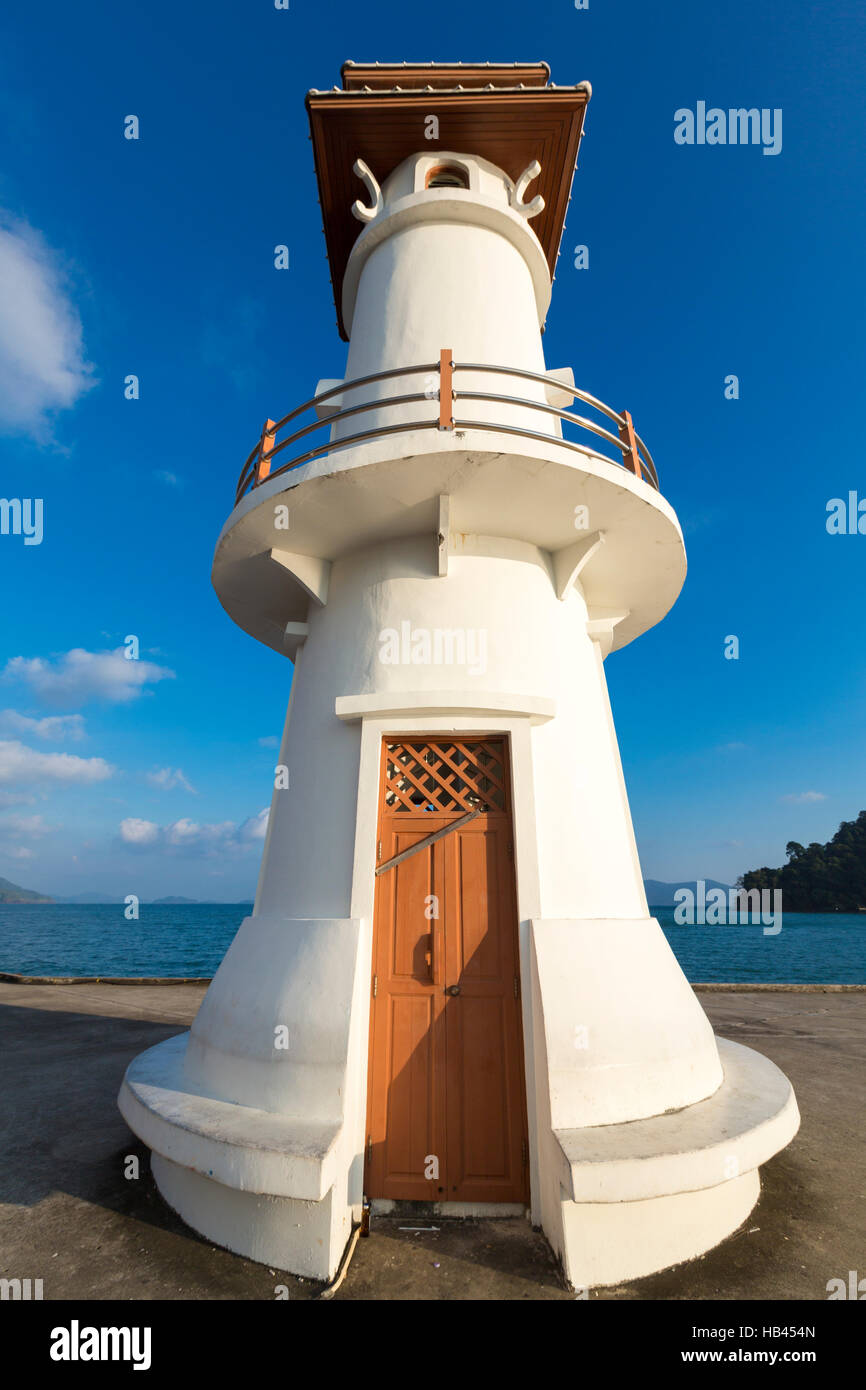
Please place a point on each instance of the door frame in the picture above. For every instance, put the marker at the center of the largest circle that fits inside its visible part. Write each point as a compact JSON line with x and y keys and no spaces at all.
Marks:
{"x":443,"y":1021}
{"x":516,"y":728}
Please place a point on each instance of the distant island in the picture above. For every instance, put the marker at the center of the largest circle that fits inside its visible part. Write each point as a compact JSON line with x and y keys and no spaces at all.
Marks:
{"x":820,"y":878}
{"x":660,"y":894}
{"x":11,"y":893}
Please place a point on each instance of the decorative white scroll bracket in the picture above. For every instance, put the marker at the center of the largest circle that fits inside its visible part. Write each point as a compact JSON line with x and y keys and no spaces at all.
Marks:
{"x":365,"y":214}
{"x":535,"y":207}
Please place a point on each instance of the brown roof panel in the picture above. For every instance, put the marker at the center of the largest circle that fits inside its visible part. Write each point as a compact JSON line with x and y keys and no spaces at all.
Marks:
{"x":509,"y":126}
{"x":411,"y":76}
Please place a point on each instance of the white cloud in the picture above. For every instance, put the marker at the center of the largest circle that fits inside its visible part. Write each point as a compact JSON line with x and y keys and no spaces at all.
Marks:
{"x":42,"y":363}
{"x":166,"y":476}
{"x":20,"y":827}
{"x":22,"y":765}
{"x":80,"y":676}
{"x":799,"y":798}
{"x":24,"y":825}
{"x":255,"y":827}
{"x":167,"y":778}
{"x":189,"y":832}
{"x":54,"y":727}
{"x":16,"y":798}
{"x":139,"y":832}
{"x":269,"y":741}
{"x":195,"y":837}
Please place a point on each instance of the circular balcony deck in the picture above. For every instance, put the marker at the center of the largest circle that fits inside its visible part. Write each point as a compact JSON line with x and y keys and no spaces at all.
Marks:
{"x":502,"y":480}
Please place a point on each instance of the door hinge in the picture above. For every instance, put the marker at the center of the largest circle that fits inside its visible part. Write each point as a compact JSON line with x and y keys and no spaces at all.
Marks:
{"x":375,"y":985}
{"x":510,"y":851}
{"x":516,"y":987}
{"x":369,"y":1148}
{"x":523,"y":1154}
{"x":379,"y":851}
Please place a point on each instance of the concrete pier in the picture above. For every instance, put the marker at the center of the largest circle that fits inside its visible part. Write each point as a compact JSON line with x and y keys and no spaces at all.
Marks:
{"x":68,"y":1215}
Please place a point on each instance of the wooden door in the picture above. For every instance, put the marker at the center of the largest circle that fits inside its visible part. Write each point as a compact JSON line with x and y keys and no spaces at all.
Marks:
{"x":446,"y":1112}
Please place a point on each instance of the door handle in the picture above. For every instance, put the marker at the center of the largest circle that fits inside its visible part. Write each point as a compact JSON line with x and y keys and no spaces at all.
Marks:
{"x":453,"y":990}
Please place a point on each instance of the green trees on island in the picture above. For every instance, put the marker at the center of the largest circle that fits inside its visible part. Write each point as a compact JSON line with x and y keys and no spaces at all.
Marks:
{"x":11,"y":893}
{"x":820,"y":878}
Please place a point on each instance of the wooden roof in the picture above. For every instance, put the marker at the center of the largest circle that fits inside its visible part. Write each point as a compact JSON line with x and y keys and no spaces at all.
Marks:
{"x":507,"y":113}
{"x":386,"y":76}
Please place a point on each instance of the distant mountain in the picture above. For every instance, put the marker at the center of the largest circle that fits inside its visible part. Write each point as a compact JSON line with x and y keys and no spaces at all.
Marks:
{"x":98,"y":899}
{"x":11,"y":893}
{"x":660,"y":894}
{"x":88,"y":899}
{"x":197,"y":902}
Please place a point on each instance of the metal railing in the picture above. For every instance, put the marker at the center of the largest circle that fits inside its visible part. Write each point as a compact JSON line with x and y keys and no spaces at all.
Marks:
{"x":633,"y":452}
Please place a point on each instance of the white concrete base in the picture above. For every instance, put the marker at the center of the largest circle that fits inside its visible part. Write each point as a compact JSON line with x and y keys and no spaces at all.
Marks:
{"x":609,"y":1242}
{"x":260,"y":1147}
{"x":749,"y":1118}
{"x":635,"y":1198}
{"x":238,"y":1145}
{"x":625,"y":1200}
{"x":617,"y":1198}
{"x":306,"y":1238}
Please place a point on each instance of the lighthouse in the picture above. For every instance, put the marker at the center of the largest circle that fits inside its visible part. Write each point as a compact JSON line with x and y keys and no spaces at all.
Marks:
{"x":450,"y":990}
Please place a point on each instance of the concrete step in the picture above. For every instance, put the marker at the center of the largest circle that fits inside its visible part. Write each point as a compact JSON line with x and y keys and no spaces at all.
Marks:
{"x":749,"y":1118}
{"x":242,"y":1147}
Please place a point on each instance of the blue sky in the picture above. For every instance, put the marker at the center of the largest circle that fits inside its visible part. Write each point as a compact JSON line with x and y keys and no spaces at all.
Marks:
{"x":155,"y":257}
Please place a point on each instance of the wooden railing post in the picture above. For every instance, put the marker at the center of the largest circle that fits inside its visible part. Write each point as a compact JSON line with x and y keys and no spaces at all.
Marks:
{"x":630,"y":457}
{"x":446,"y":390}
{"x":263,"y":467}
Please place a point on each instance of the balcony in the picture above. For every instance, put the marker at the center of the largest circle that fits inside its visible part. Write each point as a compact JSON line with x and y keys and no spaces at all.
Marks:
{"x":448,"y":402}
{"x":480,"y":459}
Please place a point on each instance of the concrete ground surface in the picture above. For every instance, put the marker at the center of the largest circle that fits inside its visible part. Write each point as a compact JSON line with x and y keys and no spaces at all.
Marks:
{"x":68,"y":1215}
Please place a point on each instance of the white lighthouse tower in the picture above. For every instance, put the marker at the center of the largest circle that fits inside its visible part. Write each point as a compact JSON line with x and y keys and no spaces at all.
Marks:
{"x":450,"y":989}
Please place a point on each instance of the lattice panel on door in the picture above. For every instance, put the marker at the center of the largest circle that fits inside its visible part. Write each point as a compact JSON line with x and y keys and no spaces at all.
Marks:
{"x":446,"y":776}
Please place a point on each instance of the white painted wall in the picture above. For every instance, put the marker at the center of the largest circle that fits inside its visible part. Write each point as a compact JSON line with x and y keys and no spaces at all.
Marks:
{"x":280,"y":972}
{"x":446,"y":268}
{"x":532,"y":643}
{"x":576,"y":861}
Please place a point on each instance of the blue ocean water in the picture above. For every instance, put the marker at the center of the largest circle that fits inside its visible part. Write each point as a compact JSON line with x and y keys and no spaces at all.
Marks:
{"x":60,"y":939}
{"x":96,"y":938}
{"x":812,"y":948}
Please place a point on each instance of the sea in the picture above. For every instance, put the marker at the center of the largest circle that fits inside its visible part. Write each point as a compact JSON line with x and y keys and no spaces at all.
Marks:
{"x":191,"y":940}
